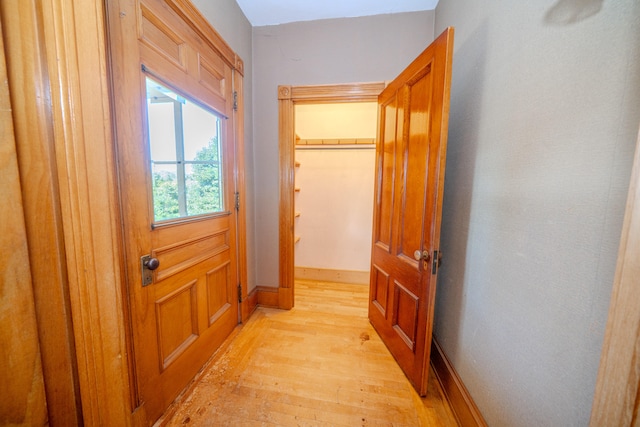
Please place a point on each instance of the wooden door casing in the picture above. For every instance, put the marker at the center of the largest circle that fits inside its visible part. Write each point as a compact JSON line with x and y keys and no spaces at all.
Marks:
{"x":411,"y":154}
{"x":191,"y":306}
{"x":22,"y":395}
{"x":288,"y":97}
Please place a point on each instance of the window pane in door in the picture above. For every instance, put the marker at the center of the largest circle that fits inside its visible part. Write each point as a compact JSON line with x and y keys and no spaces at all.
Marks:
{"x":162,"y":130}
{"x":199,"y":131}
{"x":184,"y":145}
{"x":165,"y":192}
{"x":203,"y":188}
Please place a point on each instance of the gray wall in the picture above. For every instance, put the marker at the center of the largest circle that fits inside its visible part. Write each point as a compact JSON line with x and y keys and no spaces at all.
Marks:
{"x":544,"y":118}
{"x":229,"y":21}
{"x":367,"y":49}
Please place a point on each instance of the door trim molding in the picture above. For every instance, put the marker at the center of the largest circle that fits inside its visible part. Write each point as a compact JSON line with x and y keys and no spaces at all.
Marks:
{"x":75,"y":43}
{"x":28,"y":76}
{"x":616,"y":402}
{"x":461,"y":402}
{"x":288,"y":96}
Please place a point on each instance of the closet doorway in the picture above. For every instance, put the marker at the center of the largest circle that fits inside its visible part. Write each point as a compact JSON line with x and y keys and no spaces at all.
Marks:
{"x":334,"y":186}
{"x":289,"y":97}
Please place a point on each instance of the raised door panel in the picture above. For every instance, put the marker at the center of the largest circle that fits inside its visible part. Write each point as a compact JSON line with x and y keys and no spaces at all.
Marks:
{"x":176,"y":322}
{"x":405,"y":315}
{"x":379,"y":289}
{"x":176,"y":53}
{"x":412,"y":215}
{"x":219,"y":292}
{"x":386,"y":170}
{"x":158,"y":36}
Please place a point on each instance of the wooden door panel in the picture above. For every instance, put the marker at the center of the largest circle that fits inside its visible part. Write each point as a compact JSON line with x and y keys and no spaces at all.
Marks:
{"x":410,"y":180}
{"x":158,"y":35}
{"x":380,"y":289}
{"x":219,"y":292}
{"x":405,"y":315}
{"x":176,"y":322}
{"x":414,"y":177}
{"x":211,"y":71}
{"x":386,"y":168}
{"x":184,"y":254}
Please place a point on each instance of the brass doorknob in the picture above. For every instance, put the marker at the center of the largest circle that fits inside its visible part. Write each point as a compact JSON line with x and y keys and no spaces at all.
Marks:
{"x":422,"y":255}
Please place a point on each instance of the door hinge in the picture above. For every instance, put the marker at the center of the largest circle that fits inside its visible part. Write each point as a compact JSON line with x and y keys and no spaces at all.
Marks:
{"x":237,"y":201}
{"x":239,"y":292}
{"x":235,"y":100}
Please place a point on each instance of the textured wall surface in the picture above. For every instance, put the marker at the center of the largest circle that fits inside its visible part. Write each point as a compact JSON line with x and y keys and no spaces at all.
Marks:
{"x":229,"y":21}
{"x":544,"y":118}
{"x":368,"y":49}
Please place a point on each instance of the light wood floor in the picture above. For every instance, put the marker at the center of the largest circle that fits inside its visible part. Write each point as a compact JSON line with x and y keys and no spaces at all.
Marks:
{"x":320,"y":364}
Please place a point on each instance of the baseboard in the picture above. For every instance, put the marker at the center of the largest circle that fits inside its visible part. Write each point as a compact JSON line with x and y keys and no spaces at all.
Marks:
{"x":267,"y":296}
{"x":462,"y":405}
{"x":249,"y":305}
{"x":330,"y":275}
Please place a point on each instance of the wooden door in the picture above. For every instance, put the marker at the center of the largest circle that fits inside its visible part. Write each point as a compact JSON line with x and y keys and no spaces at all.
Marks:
{"x":173,"y":104}
{"x":410,"y":165}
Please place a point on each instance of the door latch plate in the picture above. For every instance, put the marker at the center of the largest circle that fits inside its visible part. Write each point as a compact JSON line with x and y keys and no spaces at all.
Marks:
{"x":147,"y":274}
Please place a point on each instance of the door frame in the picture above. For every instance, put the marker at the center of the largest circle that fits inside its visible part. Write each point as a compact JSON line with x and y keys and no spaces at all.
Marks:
{"x":288,"y":97}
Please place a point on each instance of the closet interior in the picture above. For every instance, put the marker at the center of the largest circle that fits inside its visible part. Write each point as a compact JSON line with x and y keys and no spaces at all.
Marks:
{"x":334,"y":184}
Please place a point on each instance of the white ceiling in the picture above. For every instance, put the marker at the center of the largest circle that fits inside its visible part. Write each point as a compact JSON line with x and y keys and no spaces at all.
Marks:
{"x":273,"y":12}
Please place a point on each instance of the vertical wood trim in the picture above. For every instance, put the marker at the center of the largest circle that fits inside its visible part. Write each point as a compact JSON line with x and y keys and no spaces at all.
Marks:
{"x":287,"y":97}
{"x":617,"y":396}
{"x":33,"y":129}
{"x":22,"y":395}
{"x":75,"y":44}
{"x":241,"y":229}
{"x":287,"y":154}
{"x":461,"y":402}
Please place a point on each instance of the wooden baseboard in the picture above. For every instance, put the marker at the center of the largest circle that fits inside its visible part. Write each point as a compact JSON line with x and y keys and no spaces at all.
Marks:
{"x":249,"y":305}
{"x":462,"y":405}
{"x":267,"y":296}
{"x":330,"y":275}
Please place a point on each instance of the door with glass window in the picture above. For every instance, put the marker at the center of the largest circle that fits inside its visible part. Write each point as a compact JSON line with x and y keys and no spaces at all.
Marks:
{"x":173,"y":104}
{"x":187,"y":304}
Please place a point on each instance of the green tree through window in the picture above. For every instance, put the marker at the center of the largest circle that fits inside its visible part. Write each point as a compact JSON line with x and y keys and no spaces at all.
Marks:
{"x":203,"y":184}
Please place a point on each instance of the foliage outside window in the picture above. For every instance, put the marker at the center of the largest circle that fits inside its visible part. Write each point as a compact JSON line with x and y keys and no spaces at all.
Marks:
{"x":185,"y":151}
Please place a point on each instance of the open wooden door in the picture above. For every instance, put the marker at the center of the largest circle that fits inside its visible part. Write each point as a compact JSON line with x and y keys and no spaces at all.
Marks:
{"x":410,"y":166}
{"x":174,"y":108}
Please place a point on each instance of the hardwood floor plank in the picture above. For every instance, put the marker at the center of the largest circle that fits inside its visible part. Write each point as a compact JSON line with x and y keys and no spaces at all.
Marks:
{"x":318,"y":364}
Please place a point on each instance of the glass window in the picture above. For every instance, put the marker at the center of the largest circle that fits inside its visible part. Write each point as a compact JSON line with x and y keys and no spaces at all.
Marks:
{"x":186,"y":166}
